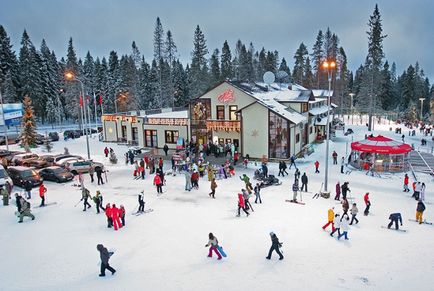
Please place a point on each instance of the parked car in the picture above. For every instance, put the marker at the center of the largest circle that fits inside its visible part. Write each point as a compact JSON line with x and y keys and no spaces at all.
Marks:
{"x":48,"y":159}
{"x":81,"y":166}
{"x":4,"y":153}
{"x":13,"y":137}
{"x":18,"y":159}
{"x":4,"y":176}
{"x":56,"y":174}
{"x":20,"y":175}
{"x":39,"y":139}
{"x":58,"y":159}
{"x":53,"y":136}
{"x":71,"y":134}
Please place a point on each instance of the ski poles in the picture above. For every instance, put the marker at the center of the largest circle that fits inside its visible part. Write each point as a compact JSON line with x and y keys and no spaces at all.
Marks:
{"x":77,"y":203}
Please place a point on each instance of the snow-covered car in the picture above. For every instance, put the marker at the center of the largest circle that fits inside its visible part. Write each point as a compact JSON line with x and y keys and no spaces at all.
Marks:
{"x":4,"y":176}
{"x":56,"y":174}
{"x":59,"y":160}
{"x":81,"y":166}
{"x":28,"y":160}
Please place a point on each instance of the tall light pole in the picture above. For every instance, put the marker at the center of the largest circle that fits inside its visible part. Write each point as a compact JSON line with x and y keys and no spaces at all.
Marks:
{"x":421,"y":107}
{"x":352,"y":113}
{"x":71,"y":77}
{"x":4,"y":122}
{"x":329,"y":66}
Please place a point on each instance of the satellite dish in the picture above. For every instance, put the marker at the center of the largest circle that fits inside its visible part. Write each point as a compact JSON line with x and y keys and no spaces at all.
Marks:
{"x":318,"y":119}
{"x":268,"y":78}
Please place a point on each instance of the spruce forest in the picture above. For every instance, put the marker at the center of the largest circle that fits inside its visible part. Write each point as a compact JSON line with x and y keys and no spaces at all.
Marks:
{"x":136,"y":83}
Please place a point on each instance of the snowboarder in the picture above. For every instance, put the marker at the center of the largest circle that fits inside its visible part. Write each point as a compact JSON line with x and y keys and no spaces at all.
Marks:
{"x":99,"y":170}
{"x":257,"y":191}
{"x":342,"y":165}
{"x":213,"y":244}
{"x":419,"y":211}
{"x":142,"y":168}
{"x":330,"y":217}
{"x":115,"y":217}
{"x":105,"y":256}
{"x":337,"y":224}
{"x":108,"y":213}
{"x":335,"y":158}
{"x":213,"y":187}
{"x":98,"y":201}
{"x":187,"y":181}
{"x":345,"y":190}
{"x":25,"y":210}
{"x":85,"y":195}
{"x":316,"y":167}
{"x":354,"y":212}
{"x":4,"y":193}
{"x":394,"y":218}
{"x":165,"y":149}
{"x":304,"y":181}
{"x":367,"y":203}
{"x":345,"y":226}
{"x":158,"y":183}
{"x":28,"y":189}
{"x":246,"y":180}
{"x":42,"y":191}
{"x":122,"y":214}
{"x":338,"y":191}
{"x":295,"y":189}
{"x":241,"y":205}
{"x":141,"y":202}
{"x":106,"y":152}
{"x":91,"y":172}
{"x":275,"y":246}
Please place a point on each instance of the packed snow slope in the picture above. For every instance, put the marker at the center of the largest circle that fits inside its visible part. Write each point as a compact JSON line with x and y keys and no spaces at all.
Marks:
{"x":164,"y":250}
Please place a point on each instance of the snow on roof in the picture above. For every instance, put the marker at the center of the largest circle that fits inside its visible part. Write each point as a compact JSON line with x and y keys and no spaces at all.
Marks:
{"x":322,"y":93}
{"x":281,"y":109}
{"x":171,"y":114}
{"x":319,"y":110}
{"x":284,"y":95}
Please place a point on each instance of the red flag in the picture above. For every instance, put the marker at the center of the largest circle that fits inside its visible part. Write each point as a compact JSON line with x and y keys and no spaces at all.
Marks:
{"x":81,"y":101}
{"x":100,"y":99}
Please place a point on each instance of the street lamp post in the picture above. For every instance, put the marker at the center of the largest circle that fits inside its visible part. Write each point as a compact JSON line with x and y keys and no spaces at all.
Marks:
{"x":4,"y":122}
{"x":421,"y":107}
{"x":329,"y":66}
{"x":70,"y":76}
{"x":352,"y":113}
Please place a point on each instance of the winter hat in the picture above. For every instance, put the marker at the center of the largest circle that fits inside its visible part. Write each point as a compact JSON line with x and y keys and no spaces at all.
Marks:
{"x":271,"y":233}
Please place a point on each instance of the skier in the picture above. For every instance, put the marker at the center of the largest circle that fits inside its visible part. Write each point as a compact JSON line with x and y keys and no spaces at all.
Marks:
{"x":257,"y":191}
{"x":304,"y":182}
{"x":345,"y":206}
{"x":394,"y":217}
{"x":354,"y":212}
{"x":275,"y":246}
{"x":85,"y":195}
{"x":337,"y":224}
{"x":158,"y":183}
{"x":165,"y":149}
{"x":367,"y":203}
{"x":406,"y":189}
{"x":345,"y":190}
{"x":241,"y":205}
{"x":106,"y":152}
{"x":342,"y":165}
{"x":122,"y":214}
{"x":108,"y":213}
{"x":330,"y":217}
{"x":28,"y":189}
{"x":213,"y":187}
{"x":335,"y":158}
{"x":4,"y":193}
{"x":295,"y":189}
{"x":42,"y":191}
{"x":246,"y":180}
{"x":99,"y":170}
{"x":25,"y":210}
{"x":187,"y":181}
{"x":105,"y":256}
{"x":338,"y":191}
{"x":115,"y":217}
{"x":98,"y":201}
{"x":91,"y":172}
{"x":344,"y":226}
{"x":141,"y":202}
{"x":316,"y":167}
{"x":213,"y":244}
{"x":419,"y":211}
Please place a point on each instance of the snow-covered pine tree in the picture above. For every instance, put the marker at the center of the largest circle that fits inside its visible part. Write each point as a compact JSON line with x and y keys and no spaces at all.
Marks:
{"x":215,"y":67}
{"x":144,"y":85}
{"x":198,"y":75}
{"x":101,"y":82}
{"x":154,"y":99}
{"x":72,"y":89}
{"x":8,"y":68}
{"x":135,"y":54}
{"x":317,"y":58}
{"x":431,"y":104}
{"x":251,"y":68}
{"x":262,"y":63}
{"x":299,"y":64}
{"x":243,"y":64}
{"x":170,"y":49}
{"x":113,"y":81}
{"x":226,"y":62}
{"x":180,"y":81}
{"x":284,"y":67}
{"x":28,"y":125}
{"x":309,"y":79}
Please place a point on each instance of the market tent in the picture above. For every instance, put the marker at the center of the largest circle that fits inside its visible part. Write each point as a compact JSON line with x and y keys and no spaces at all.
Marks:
{"x":381,"y":145}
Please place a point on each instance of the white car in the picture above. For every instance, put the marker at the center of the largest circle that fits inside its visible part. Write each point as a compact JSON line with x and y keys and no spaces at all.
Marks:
{"x":62,"y":162}
{"x":4,"y":176}
{"x":81,"y":166}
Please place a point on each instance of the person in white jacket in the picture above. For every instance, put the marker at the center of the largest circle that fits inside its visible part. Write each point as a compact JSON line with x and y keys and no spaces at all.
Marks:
{"x":354,"y":212}
{"x":337,"y":224}
{"x":213,"y":244}
{"x":345,"y":226}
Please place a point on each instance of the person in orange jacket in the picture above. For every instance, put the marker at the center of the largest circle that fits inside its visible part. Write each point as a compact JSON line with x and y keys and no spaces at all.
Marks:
{"x":108,"y":213}
{"x":115,"y":217}
{"x":241,"y":205}
{"x":42,"y":191}
{"x":122,"y":214}
{"x":316,"y":167}
{"x":330,"y":217}
{"x":158,"y":183}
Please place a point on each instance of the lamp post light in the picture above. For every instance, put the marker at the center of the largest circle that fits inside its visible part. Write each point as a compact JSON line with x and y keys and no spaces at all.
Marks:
{"x":352,"y":112}
{"x":421,"y":107}
{"x":71,"y":77}
{"x":330,"y":66}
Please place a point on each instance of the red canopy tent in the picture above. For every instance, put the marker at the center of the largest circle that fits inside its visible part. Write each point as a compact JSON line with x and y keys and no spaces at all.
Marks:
{"x":381,"y":145}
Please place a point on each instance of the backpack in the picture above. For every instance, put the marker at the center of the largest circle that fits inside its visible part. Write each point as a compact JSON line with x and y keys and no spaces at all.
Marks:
{"x":28,"y":204}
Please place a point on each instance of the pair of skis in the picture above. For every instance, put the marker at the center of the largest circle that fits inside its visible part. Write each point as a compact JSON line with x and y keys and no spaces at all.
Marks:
{"x":137,"y":213}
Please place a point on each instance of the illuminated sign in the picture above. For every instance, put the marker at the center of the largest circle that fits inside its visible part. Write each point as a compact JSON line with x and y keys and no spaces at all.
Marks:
{"x":227,"y":96}
{"x":132,"y":119}
{"x":167,"y":121}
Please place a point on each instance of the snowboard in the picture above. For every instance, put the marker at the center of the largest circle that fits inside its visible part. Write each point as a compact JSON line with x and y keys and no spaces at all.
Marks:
{"x":424,"y":222}
{"x":221,"y":251}
{"x":46,"y":204}
{"x":140,"y":213}
{"x":393,"y":228}
{"x":295,"y":202}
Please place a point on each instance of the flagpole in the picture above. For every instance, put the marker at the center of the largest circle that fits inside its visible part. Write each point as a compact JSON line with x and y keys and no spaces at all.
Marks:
{"x":83,"y":117}
{"x":96,"y":116}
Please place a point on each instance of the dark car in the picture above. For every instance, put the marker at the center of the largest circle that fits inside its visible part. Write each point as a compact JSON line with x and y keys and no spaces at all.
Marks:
{"x":39,"y":139}
{"x":20,"y":175}
{"x":56,"y":174}
{"x":53,"y":136}
{"x":71,"y":134}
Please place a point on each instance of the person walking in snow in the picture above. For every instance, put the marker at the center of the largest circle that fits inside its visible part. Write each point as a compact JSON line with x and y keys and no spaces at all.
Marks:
{"x":106,"y":152}
{"x":142,"y":168}
{"x":18,"y":202}
{"x":345,"y":190}
{"x":99,"y":170}
{"x":4,"y":193}
{"x":304,"y":182}
{"x":97,"y":199}
{"x":160,"y":164}
{"x":105,"y":257}
{"x":297,"y":174}
{"x":158,"y":183}
{"x":246,"y":181}
{"x":257,"y":191}
{"x":394,"y":218}
{"x":354,"y":212}
{"x":85,"y":195}
{"x":165,"y":149}
{"x":91,"y":172}
{"x":241,"y":205}
{"x":344,"y":226}
{"x":338,"y":191}
{"x":342,"y":165}
{"x":141,"y":202}
{"x":316,"y":167}
{"x":345,"y":206}
{"x":406,"y":189}
{"x":115,"y":217}
{"x":422,"y":192}
{"x":330,"y":218}
{"x":282,"y":169}
{"x":275,"y":246}
{"x":335,"y":158}
{"x":42,"y":191}
{"x":213,"y":245}
{"x":108,"y":213}
{"x":246,"y":196}
{"x":28,"y":189}
{"x":292,"y":162}
{"x":195,"y":179}
{"x":213,"y":187}
{"x":122,"y":214}
{"x":337,"y":224}
{"x":367,"y":203}
{"x":419,"y":211}
{"x":25,"y":210}
{"x":295,"y":190}
{"x":417,"y":189}
{"x":188,"y":185}
{"x":265,"y":169}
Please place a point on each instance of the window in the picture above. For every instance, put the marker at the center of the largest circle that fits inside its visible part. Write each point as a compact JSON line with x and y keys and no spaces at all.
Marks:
{"x":297,"y":138}
{"x":305,"y":107}
{"x":171,"y":136}
{"x":232,"y":112}
{"x":278,"y":137}
{"x":310,"y":130}
{"x":150,"y":138}
{"x":220,"y":112}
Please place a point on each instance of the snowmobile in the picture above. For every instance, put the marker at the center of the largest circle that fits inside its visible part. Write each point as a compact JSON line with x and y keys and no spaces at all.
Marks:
{"x":258,"y":175}
{"x":271,"y":180}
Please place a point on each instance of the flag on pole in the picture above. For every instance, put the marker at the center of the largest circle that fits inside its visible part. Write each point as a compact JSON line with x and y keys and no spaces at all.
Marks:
{"x":100,"y":99}
{"x":81,"y":101}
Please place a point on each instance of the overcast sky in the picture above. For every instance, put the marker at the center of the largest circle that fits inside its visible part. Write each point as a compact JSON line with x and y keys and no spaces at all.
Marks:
{"x":104,"y":25}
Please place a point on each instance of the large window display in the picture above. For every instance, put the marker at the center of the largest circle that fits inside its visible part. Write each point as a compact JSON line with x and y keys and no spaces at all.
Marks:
{"x":278,"y":138}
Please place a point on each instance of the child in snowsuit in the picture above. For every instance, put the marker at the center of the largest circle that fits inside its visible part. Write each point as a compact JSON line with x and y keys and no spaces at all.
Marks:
{"x":354,"y":212}
{"x":295,"y":189}
{"x":42,"y":191}
{"x":330,"y":217}
{"x":337,"y":224}
{"x":275,"y":246}
{"x":344,"y":226}
{"x":338,"y":191}
{"x":115,"y":217}
{"x":406,"y":189}
{"x":241,"y":205}
{"x":367,"y":203}
{"x":122,"y":214}
{"x":394,"y":218}
{"x":419,"y":211}
{"x":141,"y":202}
{"x":188,"y":181}
{"x":105,"y":256}
{"x":213,"y":244}
{"x":108,"y":213}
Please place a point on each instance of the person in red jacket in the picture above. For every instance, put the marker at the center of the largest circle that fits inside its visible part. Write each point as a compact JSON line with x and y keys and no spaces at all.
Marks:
{"x":236,"y":157}
{"x":241,"y":205}
{"x":122,"y":214}
{"x":316,"y":167}
{"x":160,"y":164}
{"x":338,"y":191}
{"x":106,"y":152}
{"x":195,"y":180}
{"x":108,"y":213}
{"x":115,"y":217}
{"x":406,"y":189}
{"x":368,"y":204}
{"x":42,"y":191}
{"x":158,"y":183}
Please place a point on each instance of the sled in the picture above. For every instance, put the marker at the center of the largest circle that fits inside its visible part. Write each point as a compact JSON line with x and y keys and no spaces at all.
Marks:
{"x":221,"y":251}
{"x":392,"y":228}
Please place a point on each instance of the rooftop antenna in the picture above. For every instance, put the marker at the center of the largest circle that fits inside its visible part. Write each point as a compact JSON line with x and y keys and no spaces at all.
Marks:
{"x":268,"y":78}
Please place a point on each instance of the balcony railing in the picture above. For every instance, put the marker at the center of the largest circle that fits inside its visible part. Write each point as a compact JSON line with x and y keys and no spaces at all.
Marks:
{"x":223,"y":125}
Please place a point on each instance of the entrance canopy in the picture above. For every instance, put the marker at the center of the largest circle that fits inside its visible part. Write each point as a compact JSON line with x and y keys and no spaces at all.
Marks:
{"x":381,"y":145}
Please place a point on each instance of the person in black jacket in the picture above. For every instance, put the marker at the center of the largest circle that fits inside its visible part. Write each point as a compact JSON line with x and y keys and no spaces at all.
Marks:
{"x":18,"y":201}
{"x":394,"y":218}
{"x":28,"y":188}
{"x":99,"y":171}
{"x":304,"y":181}
{"x":345,"y":190}
{"x":275,"y":245}
{"x":419,"y":211}
{"x":105,"y":256}
{"x":142,"y":166}
{"x":141,"y":202}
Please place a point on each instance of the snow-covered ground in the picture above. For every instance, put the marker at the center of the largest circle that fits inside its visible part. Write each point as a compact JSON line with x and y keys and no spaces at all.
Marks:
{"x":164,"y":250}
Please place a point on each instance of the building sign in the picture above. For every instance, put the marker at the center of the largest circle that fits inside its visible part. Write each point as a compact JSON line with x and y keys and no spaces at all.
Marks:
{"x":132,"y":119}
{"x":227,"y":96}
{"x":167,"y":121}
{"x":13,"y":114}
{"x":217,"y":125}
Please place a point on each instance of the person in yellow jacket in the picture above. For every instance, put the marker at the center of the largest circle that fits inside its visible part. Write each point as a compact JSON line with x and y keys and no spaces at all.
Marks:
{"x":330,"y":217}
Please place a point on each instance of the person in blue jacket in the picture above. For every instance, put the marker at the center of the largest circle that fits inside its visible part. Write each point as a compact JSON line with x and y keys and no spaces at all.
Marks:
{"x":394,"y":218}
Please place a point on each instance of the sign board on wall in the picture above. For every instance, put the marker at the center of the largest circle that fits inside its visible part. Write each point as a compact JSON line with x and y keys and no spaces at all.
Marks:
{"x":227,"y":96}
{"x":13,"y":112}
{"x":167,"y":121}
